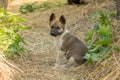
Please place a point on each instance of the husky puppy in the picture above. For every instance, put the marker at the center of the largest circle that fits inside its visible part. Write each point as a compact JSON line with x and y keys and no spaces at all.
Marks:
{"x":67,"y":44}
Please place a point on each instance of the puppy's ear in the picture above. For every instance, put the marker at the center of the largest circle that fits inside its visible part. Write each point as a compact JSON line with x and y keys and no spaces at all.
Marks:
{"x":52,"y":17}
{"x":62,"y":19}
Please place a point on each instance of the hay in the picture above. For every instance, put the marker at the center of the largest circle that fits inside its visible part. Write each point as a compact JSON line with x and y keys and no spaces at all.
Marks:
{"x":7,"y":70}
{"x":39,"y":59}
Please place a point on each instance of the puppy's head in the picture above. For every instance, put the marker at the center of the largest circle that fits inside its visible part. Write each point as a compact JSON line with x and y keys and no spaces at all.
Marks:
{"x":57,"y":25}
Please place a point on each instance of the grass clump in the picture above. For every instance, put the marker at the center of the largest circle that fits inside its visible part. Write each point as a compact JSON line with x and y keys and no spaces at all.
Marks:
{"x":33,"y":7}
{"x":99,"y":39}
{"x":10,"y":40}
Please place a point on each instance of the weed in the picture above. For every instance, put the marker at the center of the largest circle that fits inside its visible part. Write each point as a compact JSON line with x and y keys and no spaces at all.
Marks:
{"x":32,"y":7}
{"x":10,"y":40}
{"x":117,"y":49}
{"x":99,"y":39}
{"x":28,"y":7}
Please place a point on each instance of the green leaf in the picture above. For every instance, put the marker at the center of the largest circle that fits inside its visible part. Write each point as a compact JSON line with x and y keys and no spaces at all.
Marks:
{"x":87,"y":56}
{"x":104,"y":30}
{"x":104,"y":51}
{"x":93,"y":50}
{"x":102,"y":38}
{"x":31,"y":7}
{"x":118,"y":49}
{"x":94,"y":57}
{"x":10,"y":40}
{"x":96,"y":27}
{"x":89,"y":35}
{"x":89,"y":46}
{"x":104,"y":42}
{"x":91,"y":57}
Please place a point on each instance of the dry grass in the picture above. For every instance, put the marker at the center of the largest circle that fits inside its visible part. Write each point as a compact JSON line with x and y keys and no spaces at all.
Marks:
{"x":8,"y":70}
{"x":38,"y":62}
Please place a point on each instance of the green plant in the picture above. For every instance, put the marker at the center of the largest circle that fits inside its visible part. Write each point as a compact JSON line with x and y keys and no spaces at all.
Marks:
{"x":117,"y":49}
{"x":10,"y":40}
{"x":32,"y":7}
{"x":28,"y":7}
{"x":99,"y":39}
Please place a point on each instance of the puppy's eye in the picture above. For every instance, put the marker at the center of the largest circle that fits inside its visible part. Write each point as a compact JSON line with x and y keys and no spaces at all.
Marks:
{"x":58,"y":27}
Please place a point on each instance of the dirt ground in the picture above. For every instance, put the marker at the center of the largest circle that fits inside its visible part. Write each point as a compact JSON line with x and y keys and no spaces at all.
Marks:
{"x":38,"y":61}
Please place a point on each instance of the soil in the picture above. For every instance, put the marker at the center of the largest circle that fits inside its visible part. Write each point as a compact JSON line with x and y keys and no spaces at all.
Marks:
{"x":38,"y":60}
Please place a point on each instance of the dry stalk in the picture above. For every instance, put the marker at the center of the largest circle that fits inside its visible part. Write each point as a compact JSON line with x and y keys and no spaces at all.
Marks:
{"x":113,"y":72}
{"x":9,"y":64}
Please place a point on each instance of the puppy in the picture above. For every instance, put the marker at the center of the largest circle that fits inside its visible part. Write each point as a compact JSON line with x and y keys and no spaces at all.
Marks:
{"x":67,"y":44}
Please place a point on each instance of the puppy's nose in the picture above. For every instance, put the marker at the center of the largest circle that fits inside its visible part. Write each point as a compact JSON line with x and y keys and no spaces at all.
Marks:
{"x":52,"y":33}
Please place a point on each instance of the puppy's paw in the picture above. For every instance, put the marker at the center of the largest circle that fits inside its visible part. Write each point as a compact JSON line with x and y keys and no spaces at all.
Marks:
{"x":57,"y":65}
{"x":64,"y":66}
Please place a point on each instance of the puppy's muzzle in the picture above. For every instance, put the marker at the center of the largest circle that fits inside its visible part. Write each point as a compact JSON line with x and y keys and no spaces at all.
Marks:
{"x":54,"y":32}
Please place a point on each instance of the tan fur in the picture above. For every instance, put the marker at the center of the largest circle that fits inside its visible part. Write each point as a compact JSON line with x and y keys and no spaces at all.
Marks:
{"x":67,"y":44}
{"x":58,"y":23}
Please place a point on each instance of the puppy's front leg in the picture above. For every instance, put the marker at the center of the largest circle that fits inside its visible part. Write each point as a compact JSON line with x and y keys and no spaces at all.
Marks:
{"x":59,"y":58}
{"x":70,"y":62}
